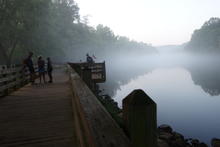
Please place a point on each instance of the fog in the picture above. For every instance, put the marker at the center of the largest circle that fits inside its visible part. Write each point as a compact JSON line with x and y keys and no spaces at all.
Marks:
{"x":185,"y":83}
{"x":122,"y":69}
{"x":186,"y":88}
{"x":156,"y":21}
{"x":183,"y":79}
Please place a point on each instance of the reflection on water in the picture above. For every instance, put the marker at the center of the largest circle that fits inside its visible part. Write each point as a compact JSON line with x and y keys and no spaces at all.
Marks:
{"x":207,"y":75}
{"x":187,"y":95}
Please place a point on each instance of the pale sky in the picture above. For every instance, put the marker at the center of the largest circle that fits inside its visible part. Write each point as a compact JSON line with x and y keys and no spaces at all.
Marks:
{"x":159,"y":22}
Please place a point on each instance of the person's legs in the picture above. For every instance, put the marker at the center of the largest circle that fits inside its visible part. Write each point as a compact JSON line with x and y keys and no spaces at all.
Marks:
{"x":30,"y":77}
{"x":32,"y":80}
{"x":43,"y":74}
{"x":50,"y":76}
{"x":32,"y":74}
{"x":40,"y":76}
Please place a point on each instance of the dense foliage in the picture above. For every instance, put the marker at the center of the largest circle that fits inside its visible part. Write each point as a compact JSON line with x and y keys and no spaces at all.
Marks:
{"x":54,"y":28}
{"x":35,"y":25}
{"x":207,"y":38}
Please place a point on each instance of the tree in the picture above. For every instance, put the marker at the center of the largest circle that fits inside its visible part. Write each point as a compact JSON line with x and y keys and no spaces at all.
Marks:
{"x":41,"y":26}
{"x":18,"y":19}
{"x":207,"y":38}
{"x":53,"y":28}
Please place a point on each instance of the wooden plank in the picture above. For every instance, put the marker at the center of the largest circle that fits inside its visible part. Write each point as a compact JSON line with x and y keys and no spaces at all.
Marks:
{"x":15,"y":69}
{"x":38,"y":116}
{"x":13,"y":77}
{"x":12,"y":81}
{"x":99,"y":126}
{"x":8,"y":78}
{"x":10,"y":70}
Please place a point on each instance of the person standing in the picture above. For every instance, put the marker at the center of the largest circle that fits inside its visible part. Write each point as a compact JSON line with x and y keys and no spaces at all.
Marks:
{"x":28,"y":62}
{"x":41,"y":68}
{"x":89,"y":59}
{"x":49,"y":70}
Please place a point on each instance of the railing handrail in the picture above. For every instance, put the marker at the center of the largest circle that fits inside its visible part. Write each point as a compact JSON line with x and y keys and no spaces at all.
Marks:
{"x":96,"y":127}
{"x":13,"y":77}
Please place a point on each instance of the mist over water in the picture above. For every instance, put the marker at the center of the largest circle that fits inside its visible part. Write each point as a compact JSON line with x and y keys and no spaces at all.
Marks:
{"x":185,"y":87}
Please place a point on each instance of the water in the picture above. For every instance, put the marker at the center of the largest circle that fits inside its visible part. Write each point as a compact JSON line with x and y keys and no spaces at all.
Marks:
{"x":186,"y":93}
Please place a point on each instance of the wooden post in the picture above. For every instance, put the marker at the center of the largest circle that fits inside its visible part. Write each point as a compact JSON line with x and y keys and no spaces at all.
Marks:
{"x":22,"y":76}
{"x":140,"y":117}
{"x":87,"y":76}
{"x":5,"y":68}
{"x":14,"y":74}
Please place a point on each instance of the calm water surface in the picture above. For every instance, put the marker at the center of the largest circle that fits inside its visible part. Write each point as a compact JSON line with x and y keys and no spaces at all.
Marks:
{"x":187,"y":97}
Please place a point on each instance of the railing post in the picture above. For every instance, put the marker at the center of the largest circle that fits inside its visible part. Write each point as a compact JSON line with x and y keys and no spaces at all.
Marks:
{"x":4,"y":69}
{"x":140,"y":117}
{"x":14,"y":73}
{"x":87,"y":76}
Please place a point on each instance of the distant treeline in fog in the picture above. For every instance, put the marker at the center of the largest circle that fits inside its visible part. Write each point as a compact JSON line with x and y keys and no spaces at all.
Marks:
{"x":206,"y":39}
{"x":54,"y":28}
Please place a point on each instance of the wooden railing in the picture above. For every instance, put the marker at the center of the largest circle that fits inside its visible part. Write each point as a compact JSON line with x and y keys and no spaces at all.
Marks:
{"x":95,"y":126}
{"x":12,"y":77}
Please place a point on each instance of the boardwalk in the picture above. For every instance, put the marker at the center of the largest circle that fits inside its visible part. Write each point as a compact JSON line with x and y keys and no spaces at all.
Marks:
{"x":38,"y":116}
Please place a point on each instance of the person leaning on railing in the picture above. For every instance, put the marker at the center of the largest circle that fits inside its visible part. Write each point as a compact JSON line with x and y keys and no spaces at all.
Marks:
{"x":28,"y":62}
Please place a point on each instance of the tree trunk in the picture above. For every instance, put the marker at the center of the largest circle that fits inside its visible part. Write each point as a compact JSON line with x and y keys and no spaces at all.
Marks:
{"x":9,"y":61}
{"x":5,"y":57}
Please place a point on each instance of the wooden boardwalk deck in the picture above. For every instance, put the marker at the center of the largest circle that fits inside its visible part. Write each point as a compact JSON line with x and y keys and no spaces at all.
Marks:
{"x":38,"y":116}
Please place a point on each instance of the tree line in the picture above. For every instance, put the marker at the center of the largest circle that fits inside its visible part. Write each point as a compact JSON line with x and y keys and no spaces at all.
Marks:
{"x":54,"y":28}
{"x":207,"y":38}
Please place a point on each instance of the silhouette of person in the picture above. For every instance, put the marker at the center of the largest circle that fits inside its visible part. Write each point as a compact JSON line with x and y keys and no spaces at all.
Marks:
{"x":41,"y":68}
{"x":89,"y":59}
{"x":28,"y":62}
{"x":49,"y":70}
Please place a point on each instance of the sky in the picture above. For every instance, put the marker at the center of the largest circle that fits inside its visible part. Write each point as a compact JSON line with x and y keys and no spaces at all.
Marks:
{"x":156,"y":22}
